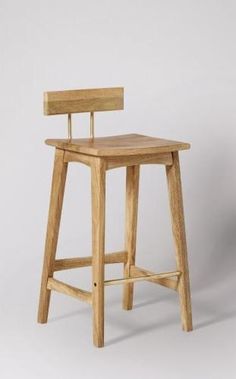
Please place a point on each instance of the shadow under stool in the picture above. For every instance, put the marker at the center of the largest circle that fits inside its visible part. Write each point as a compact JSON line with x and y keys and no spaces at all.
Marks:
{"x":102,"y":154}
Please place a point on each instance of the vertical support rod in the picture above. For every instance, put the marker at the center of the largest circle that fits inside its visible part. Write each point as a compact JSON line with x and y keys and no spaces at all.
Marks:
{"x":69,"y":127}
{"x":92,"y":125}
{"x":98,"y":245}
{"x":132,"y":188}
{"x":54,"y":217}
{"x":178,"y":228}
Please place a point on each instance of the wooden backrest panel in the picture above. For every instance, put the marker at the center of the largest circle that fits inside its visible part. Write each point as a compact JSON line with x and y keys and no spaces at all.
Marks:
{"x":83,"y":100}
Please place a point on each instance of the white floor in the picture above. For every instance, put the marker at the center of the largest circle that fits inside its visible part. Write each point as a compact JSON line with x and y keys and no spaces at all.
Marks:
{"x":146,"y":342}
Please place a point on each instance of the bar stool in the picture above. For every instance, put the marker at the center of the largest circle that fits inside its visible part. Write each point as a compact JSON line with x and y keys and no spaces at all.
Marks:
{"x":102,"y":154}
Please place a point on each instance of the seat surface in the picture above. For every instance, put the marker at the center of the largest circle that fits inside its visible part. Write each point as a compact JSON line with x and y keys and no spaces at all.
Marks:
{"x":121,"y":145}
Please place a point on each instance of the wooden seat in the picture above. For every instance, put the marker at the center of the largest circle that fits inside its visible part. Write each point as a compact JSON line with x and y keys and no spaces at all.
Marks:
{"x":101,"y":154}
{"x":128,"y":144}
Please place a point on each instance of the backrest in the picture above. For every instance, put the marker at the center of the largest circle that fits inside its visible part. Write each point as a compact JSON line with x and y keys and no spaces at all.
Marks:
{"x":83,"y":100}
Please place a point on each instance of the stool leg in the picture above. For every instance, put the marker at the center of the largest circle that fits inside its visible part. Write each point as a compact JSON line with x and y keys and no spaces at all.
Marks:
{"x":98,"y":243}
{"x":178,"y":228}
{"x":56,"y":200}
{"x":132,"y":187}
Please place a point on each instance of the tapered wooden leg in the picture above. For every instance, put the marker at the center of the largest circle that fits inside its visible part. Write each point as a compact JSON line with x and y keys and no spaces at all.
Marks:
{"x":177,"y":214}
{"x":132,"y":187}
{"x":56,"y":200}
{"x":98,"y":242}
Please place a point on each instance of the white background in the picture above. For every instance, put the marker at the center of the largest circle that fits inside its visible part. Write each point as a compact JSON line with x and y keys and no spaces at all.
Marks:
{"x":177,"y":62}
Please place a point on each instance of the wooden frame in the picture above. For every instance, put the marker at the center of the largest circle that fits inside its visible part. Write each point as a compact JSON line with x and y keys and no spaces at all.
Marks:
{"x":148,"y":275}
{"x":131,"y":218}
{"x":177,"y":280}
{"x":54,"y":217}
{"x":98,"y":242}
{"x":178,"y":229}
{"x":130,"y":280}
{"x":121,"y":161}
{"x":61,"y":287}
{"x":69,"y":263}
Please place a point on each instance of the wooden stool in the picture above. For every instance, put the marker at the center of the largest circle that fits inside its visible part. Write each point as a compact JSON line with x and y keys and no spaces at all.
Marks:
{"x":103,"y":154}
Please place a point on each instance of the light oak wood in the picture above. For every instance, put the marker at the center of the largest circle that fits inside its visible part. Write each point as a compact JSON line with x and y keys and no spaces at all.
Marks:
{"x":69,"y":263}
{"x":122,"y":161}
{"x":66,"y":289}
{"x":102,"y":154}
{"x":98,"y":243}
{"x":131,"y":280}
{"x":131,"y":216}
{"x":122,"y":145}
{"x":83,"y":100}
{"x":77,"y":157}
{"x":178,"y":227}
{"x":166,"y":282}
{"x":56,"y":200}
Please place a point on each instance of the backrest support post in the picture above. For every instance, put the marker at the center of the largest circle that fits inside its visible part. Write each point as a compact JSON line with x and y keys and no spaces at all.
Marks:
{"x":92,"y":125}
{"x":69,"y":127}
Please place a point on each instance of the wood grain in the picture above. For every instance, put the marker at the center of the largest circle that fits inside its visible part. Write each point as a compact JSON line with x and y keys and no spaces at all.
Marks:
{"x":66,"y":289}
{"x":178,"y":228}
{"x":121,"y":161}
{"x":121,"y":145}
{"x":124,"y":161}
{"x":98,"y":242}
{"x":101,"y":154}
{"x":166,"y":282}
{"x":132,"y":188}
{"x":54,"y":217}
{"x":77,"y":157}
{"x":131,"y":280}
{"x":83,"y":100}
{"x":69,"y":263}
